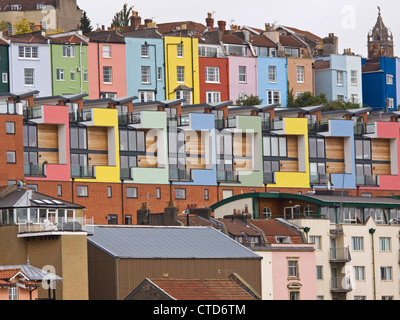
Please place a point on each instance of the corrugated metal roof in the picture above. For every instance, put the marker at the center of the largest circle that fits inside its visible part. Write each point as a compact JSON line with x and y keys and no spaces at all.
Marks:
{"x":167,"y":242}
{"x":34,"y":274}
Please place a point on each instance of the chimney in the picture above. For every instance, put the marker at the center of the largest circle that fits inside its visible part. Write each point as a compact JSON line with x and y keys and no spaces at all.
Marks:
{"x":148,"y":22}
{"x":221,"y":25}
{"x":210,"y":21}
{"x":135,"y":20}
{"x":330,"y":44}
{"x":102,"y":27}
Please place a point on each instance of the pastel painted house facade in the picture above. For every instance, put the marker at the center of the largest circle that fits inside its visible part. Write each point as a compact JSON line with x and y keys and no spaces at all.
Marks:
{"x":339,"y":77}
{"x":30,"y":63}
{"x":145,"y":73}
{"x":107,"y":65}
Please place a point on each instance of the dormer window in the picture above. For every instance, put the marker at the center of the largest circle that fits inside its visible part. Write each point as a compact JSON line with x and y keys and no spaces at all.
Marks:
{"x":16,"y":7}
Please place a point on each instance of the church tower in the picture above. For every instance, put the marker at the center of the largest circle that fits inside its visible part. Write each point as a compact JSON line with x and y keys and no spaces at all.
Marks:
{"x":380,"y":40}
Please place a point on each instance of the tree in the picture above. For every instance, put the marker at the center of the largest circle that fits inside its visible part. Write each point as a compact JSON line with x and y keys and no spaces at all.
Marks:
{"x":121,"y":18}
{"x":307,"y":99}
{"x":85,"y":23}
{"x":249,"y":101}
{"x":3,"y":25}
{"x":23,"y":26}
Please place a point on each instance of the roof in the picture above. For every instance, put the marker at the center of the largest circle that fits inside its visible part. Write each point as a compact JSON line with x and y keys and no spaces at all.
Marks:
{"x":33,"y":273}
{"x":371,"y":67}
{"x":261,"y":41}
{"x":31,"y":37}
{"x":290,"y":41}
{"x":273,"y":227}
{"x":116,"y":101}
{"x":24,"y":198}
{"x":304,"y":33}
{"x":67,"y":39}
{"x":19,"y":95}
{"x":305,"y":110}
{"x":230,"y":38}
{"x":149,"y":242}
{"x":168,"y":27}
{"x":322,"y":64}
{"x":213,"y":106}
{"x":109,"y":36}
{"x":199,"y":289}
{"x":64,"y":97}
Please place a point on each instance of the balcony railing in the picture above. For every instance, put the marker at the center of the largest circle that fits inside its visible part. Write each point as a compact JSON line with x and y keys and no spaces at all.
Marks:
{"x":266,"y":125}
{"x":126,"y":173}
{"x":318,"y":178}
{"x":341,"y":284}
{"x":340,"y":255}
{"x":230,"y":122}
{"x":60,"y":225}
{"x":34,"y":170}
{"x":220,"y":123}
{"x":277,"y":125}
{"x":269,"y":177}
{"x":180,"y":175}
{"x":318,"y":126}
{"x":227,"y":176}
{"x":364,"y":128}
{"x":183,"y":120}
{"x":10,"y":108}
{"x":364,"y":180}
{"x":83,"y":171}
{"x":32,"y":113}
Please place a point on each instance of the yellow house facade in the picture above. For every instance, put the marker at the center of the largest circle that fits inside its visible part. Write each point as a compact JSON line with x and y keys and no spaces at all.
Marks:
{"x":182,"y":69}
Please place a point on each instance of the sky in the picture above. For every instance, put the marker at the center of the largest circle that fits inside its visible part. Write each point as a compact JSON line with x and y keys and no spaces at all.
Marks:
{"x":350,"y":20}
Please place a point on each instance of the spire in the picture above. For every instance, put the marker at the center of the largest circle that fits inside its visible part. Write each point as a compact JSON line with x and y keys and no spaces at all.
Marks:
{"x":380,"y":39}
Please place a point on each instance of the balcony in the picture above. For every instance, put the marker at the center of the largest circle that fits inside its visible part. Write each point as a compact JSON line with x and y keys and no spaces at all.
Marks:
{"x":32,"y":113}
{"x":62,"y":225}
{"x":318,"y":178}
{"x":341,"y":284}
{"x":266,"y":125}
{"x":340,"y":255}
{"x":364,"y":128}
{"x":83,"y":171}
{"x":180,"y":175}
{"x":34,"y":170}
{"x":220,"y":123}
{"x":318,"y":126}
{"x":126,"y":173}
{"x":227,"y":176}
{"x":10,"y":108}
{"x":365,"y":180}
{"x":230,"y":122}
{"x":183,"y":120}
{"x":277,"y":125}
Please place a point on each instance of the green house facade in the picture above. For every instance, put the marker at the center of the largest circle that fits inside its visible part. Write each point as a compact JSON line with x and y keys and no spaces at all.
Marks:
{"x":4,"y":67}
{"x":69,"y":64}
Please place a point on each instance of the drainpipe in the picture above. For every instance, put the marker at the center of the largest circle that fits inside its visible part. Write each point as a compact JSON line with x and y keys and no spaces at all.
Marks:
{"x":372,"y":231}
{"x":155,"y":67}
{"x":80,"y":65}
{"x":122,"y":201}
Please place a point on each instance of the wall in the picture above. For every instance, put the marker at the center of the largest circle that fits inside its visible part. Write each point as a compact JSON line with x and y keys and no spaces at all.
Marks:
{"x":222,"y":86}
{"x":250,"y":87}
{"x":308,"y":84}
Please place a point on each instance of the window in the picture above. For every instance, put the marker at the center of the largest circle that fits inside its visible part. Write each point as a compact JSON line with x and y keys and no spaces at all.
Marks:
{"x":28,"y":52}
{"x":128,"y":219}
{"x":389,"y":79}
{"x":206,"y":194}
{"x":357,"y":243}
{"x":267,"y":213}
{"x":319,"y":273}
{"x":179,"y":51}
{"x":294,"y":295}
{"x":59,"y":190}
{"x":159,"y":74}
{"x":60,"y":74}
{"x":40,"y":6}
{"x":145,"y":71}
{"x":292,"y":52}
{"x":144,"y":51}
{"x":339,"y":78}
{"x":359,"y":273}
{"x":29,"y":79}
{"x":132,"y":140}
{"x":4,"y":77}
{"x":11,"y":157}
{"x":131,"y":192}
{"x":30,"y":135}
{"x":360,"y":298}
{"x":242,"y":74}
{"x":210,"y":52}
{"x":78,"y":138}
{"x":354,"y":80}
{"x":180,"y":194}
{"x":386,"y":273}
{"x":146,"y":96}
{"x":107,"y":74}
{"x":10,"y":127}
{"x":85,"y":76}
{"x":354,"y":98}
{"x":82,"y":191}
{"x":184,"y":94}
{"x":317,"y":241}
{"x":158,"y":193}
{"x":274,"y":146}
{"x":109,"y":192}
{"x":213,"y":96}
{"x":293,"y":269}
{"x":390,"y":103}
{"x":317,"y":148}
{"x":274,"y":97}
{"x":16,"y":7}
{"x":69,"y":51}
{"x":387,"y":298}
{"x":300,"y":74}
{"x":106,"y":51}
{"x":363,"y":149}
{"x":112,"y":219}
{"x":180,"y":74}
{"x":72,"y":75}
{"x":384,"y":244}
{"x":272,"y":74}
{"x":13,"y":293}
{"x":262,"y":51}
{"x":212,"y":74}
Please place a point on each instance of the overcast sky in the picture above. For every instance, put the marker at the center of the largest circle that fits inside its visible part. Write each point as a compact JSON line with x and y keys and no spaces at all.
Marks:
{"x":350,"y":20}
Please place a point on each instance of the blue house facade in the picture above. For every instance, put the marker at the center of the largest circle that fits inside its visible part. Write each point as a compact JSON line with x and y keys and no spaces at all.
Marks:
{"x":339,"y":77}
{"x":145,"y":68}
{"x":379,"y":83}
{"x":272,"y":80}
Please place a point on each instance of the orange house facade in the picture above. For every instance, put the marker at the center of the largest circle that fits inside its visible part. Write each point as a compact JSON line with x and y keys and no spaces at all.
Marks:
{"x":300,"y":75}
{"x":15,"y":285}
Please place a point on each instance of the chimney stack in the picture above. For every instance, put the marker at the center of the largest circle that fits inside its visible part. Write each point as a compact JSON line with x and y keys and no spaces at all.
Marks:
{"x":221,"y":25}
{"x":135,"y":20}
{"x":210,"y":21}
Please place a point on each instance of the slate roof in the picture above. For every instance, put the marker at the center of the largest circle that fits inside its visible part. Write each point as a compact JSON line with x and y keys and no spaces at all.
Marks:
{"x":272,"y":228}
{"x":143,"y":242}
{"x":199,"y":289}
{"x":290,"y":41}
{"x":109,"y":36}
{"x":31,"y":37}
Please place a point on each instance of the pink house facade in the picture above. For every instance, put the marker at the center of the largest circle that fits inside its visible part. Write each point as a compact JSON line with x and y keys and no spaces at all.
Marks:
{"x":107,"y":65}
{"x":242,"y":77}
{"x":288,"y":272}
